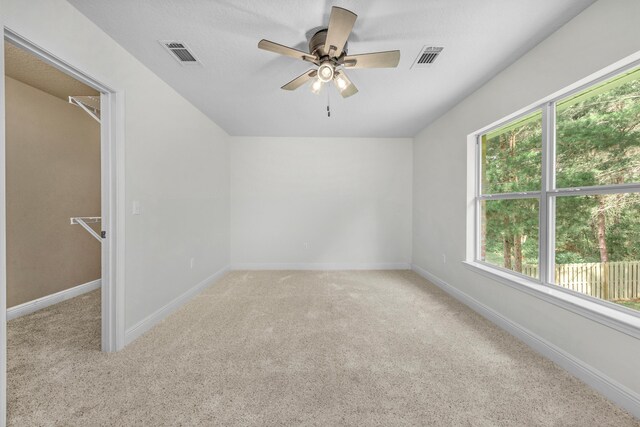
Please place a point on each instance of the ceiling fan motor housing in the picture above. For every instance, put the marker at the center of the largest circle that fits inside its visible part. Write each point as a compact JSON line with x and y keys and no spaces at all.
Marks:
{"x":317,"y":46}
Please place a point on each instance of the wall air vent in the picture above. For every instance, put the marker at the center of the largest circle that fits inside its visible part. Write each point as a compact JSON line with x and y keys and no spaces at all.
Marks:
{"x":427,"y":56}
{"x":180,"y":52}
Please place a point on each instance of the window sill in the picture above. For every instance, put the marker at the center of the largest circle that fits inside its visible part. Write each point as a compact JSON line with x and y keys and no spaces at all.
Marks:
{"x":619,"y":320}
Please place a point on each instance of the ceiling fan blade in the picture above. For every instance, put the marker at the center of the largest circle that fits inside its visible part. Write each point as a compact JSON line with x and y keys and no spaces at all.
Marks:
{"x":344,"y":85}
{"x":300,"y":80}
{"x":340,"y":25}
{"x":389,"y":59}
{"x":286,"y":51}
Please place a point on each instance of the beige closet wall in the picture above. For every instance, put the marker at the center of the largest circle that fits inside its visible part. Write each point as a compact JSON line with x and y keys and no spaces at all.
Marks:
{"x":53,"y":173}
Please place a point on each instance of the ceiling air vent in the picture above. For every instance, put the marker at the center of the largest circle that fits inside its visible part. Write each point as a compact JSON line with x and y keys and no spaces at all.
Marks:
{"x":427,"y":56}
{"x":180,"y":52}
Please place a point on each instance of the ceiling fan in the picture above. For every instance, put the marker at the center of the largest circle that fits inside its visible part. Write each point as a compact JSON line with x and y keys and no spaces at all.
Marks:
{"x":328,"y":52}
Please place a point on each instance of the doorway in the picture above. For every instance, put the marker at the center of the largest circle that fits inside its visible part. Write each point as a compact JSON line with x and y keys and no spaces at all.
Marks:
{"x":106,"y":106}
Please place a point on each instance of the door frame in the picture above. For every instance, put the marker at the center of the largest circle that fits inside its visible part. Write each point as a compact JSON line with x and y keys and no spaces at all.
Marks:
{"x":112,"y":201}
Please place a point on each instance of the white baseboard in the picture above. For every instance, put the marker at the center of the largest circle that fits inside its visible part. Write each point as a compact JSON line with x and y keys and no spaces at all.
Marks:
{"x":40,"y":303}
{"x":154,"y":318}
{"x":322,"y":266}
{"x":613,"y":390}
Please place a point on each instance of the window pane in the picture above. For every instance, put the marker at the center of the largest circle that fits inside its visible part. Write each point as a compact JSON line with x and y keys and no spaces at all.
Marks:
{"x":598,"y":246}
{"x":598,"y":134}
{"x":511,"y":160}
{"x":509,"y":235}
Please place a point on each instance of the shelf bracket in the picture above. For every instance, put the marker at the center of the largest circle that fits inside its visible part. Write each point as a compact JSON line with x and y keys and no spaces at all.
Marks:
{"x":90,"y":104}
{"x":84,"y":221}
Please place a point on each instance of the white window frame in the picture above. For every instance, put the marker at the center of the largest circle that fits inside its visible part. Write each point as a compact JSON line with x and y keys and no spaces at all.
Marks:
{"x":614,"y":315}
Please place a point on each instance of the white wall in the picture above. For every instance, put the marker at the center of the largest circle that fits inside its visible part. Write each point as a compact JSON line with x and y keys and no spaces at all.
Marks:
{"x":176,"y":159}
{"x":320,"y":202}
{"x":603,"y":34}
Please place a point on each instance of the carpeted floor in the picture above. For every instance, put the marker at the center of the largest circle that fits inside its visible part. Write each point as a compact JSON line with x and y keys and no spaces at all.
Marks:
{"x":294,"y":348}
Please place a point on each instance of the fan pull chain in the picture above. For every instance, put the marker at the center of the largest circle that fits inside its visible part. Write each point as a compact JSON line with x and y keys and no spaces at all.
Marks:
{"x":328,"y":105}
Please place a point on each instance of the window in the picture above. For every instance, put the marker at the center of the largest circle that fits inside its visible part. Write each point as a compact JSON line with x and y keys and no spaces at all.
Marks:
{"x":509,"y":204}
{"x":558,"y":192}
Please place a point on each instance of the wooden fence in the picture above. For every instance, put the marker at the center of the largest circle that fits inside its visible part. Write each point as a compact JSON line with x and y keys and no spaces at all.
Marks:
{"x":605,"y":280}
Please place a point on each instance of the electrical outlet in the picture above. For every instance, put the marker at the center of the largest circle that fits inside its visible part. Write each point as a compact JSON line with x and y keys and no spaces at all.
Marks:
{"x":192,"y":262}
{"x":306,"y":245}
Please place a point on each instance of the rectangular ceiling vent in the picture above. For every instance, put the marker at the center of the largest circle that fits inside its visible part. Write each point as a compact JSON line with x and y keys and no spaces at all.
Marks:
{"x":427,"y":56}
{"x":180,"y":52}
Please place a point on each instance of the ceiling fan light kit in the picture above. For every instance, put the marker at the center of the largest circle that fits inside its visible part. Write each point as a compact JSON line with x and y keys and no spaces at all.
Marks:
{"x":316,"y":86}
{"x":325,"y":72}
{"x":328,"y":52}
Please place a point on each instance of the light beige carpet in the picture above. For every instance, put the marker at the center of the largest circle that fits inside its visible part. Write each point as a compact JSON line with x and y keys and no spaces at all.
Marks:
{"x":294,"y":348}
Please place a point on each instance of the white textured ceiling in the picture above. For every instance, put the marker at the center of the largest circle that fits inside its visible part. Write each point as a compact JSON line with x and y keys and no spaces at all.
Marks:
{"x":238,"y":85}
{"x":25,"y":67}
